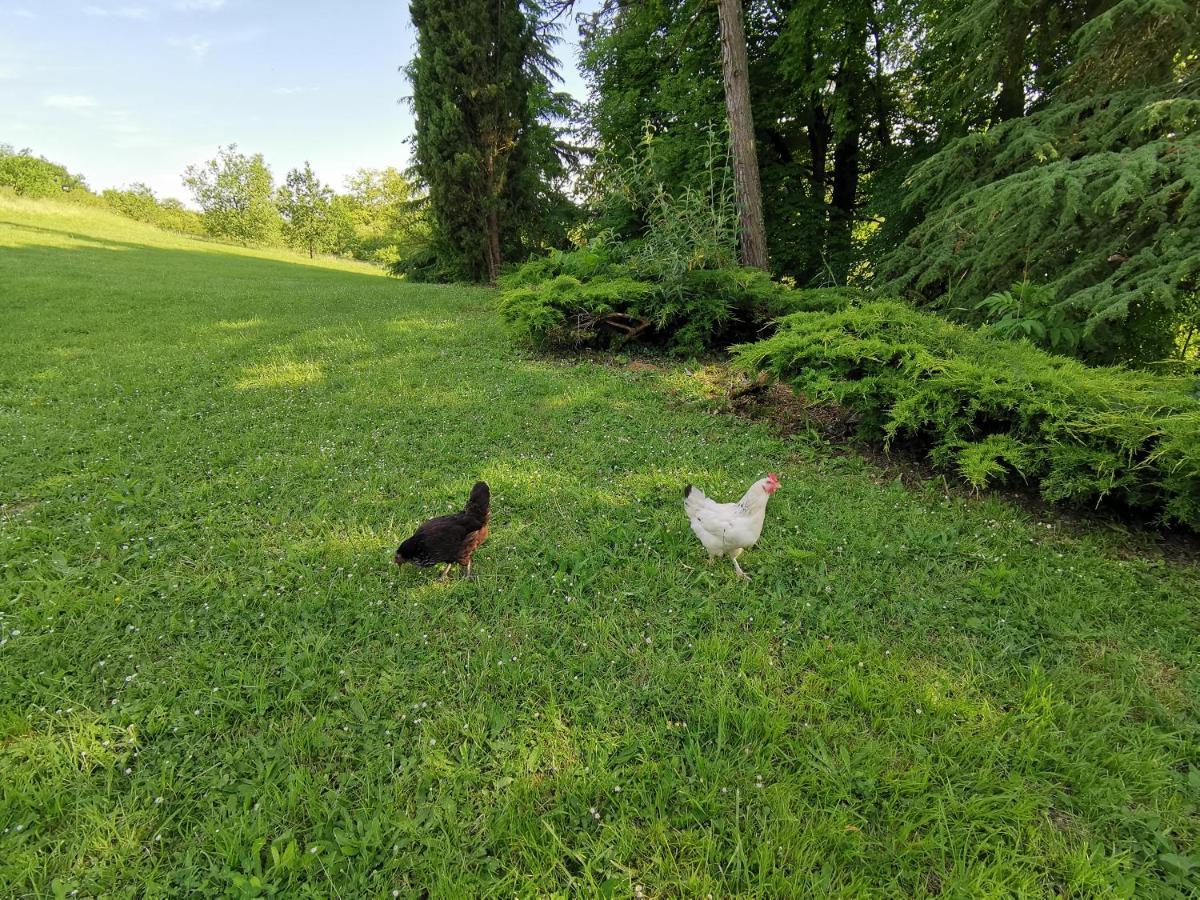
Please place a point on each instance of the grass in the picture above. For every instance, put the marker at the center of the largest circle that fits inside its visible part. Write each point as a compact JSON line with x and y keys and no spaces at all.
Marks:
{"x":214,"y":681}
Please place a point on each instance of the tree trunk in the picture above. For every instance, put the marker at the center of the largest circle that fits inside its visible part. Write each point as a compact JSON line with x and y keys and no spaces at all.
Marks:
{"x":1010,"y":101}
{"x":492,"y":248}
{"x":842,"y":199}
{"x":747,"y":190}
{"x":818,"y":148}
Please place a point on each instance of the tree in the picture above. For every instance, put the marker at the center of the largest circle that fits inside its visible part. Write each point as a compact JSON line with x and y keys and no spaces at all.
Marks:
{"x":137,"y":202}
{"x":479,"y":72}
{"x":35,"y":176}
{"x":819,"y":81}
{"x":384,"y":215}
{"x":752,"y":234}
{"x":306,"y":207}
{"x":235,"y":193}
{"x":833,"y":54}
{"x":1091,"y":195}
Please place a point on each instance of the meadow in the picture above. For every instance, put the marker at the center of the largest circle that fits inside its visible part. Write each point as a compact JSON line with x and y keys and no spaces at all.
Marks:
{"x":214,"y":681}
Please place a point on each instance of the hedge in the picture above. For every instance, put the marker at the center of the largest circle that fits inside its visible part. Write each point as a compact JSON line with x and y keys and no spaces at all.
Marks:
{"x":996,"y":410}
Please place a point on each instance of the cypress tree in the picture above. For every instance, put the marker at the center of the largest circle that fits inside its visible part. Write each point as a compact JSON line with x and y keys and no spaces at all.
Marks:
{"x":481,"y":68}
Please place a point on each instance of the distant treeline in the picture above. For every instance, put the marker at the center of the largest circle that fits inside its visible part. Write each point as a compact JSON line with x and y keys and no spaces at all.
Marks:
{"x":375,"y":218}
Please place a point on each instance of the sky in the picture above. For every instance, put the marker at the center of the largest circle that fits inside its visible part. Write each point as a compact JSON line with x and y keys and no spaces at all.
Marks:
{"x":136,"y":90}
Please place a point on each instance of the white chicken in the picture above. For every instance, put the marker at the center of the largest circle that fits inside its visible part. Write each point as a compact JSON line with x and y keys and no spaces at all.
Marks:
{"x":726,"y":529}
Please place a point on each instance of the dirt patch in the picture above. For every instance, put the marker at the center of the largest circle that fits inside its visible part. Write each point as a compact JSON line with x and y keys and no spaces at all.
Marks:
{"x":10,"y":511}
{"x":638,"y":365}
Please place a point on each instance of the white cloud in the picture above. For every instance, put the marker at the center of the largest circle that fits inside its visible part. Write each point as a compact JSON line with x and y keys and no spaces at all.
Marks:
{"x":198,"y":46}
{"x":199,"y":5}
{"x":289,"y":91}
{"x":119,"y":12}
{"x":7,"y":73}
{"x":22,"y":13}
{"x":73,"y":102}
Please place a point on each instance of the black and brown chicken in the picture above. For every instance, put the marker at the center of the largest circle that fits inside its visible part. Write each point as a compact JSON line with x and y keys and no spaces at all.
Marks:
{"x":450,"y":539}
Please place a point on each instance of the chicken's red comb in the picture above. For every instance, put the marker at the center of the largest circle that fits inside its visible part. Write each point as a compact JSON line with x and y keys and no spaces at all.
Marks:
{"x":772,"y":476}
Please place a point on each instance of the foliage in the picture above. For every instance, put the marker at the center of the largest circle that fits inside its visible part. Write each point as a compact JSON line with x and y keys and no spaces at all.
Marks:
{"x":236,"y":194}
{"x":1028,"y":311}
{"x":385,"y":216}
{"x":484,"y":146}
{"x":676,"y":283}
{"x":1094,"y":194}
{"x":693,"y":227}
{"x":584,"y":298}
{"x":996,"y":410}
{"x":917,"y":694}
{"x":306,"y":207}
{"x":35,"y":176}
{"x":823,"y":89}
{"x":138,"y":202}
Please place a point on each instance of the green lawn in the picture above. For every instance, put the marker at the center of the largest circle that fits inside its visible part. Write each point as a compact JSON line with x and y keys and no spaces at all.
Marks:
{"x":213,"y":680}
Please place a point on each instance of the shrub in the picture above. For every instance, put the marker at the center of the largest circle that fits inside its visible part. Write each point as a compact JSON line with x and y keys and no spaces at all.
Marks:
{"x":583,"y":298}
{"x":35,"y":176}
{"x":670,"y":277}
{"x":995,"y":410}
{"x":425,"y":264}
{"x":139,"y":203}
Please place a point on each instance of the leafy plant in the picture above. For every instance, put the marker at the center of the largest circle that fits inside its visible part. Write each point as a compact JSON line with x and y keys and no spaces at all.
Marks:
{"x":1029,"y":311}
{"x":995,"y":409}
{"x":35,"y":176}
{"x":692,"y":226}
{"x":677,"y":283}
{"x":584,"y":298}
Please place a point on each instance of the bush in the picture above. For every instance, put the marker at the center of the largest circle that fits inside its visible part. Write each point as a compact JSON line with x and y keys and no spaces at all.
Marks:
{"x":996,"y":410}
{"x":139,"y":203}
{"x":583,"y":298}
{"x":425,"y":264}
{"x":670,"y":277}
{"x":35,"y":176}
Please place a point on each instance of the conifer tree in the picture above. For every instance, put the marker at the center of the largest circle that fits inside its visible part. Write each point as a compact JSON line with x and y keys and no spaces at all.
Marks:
{"x":1093,"y":194}
{"x":480,"y":69}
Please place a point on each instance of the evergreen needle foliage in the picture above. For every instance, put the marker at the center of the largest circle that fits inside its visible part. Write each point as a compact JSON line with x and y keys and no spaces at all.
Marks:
{"x":484,"y":146}
{"x":1097,"y":201}
{"x":995,"y":410}
{"x":1086,"y":183}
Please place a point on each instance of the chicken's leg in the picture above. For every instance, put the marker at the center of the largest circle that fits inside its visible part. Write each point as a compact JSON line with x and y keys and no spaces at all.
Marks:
{"x":734,"y":556}
{"x":469,"y":575}
{"x":446,"y":571}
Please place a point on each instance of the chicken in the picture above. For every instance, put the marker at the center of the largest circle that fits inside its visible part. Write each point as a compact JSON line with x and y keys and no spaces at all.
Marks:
{"x":450,"y":539}
{"x":726,"y":529}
